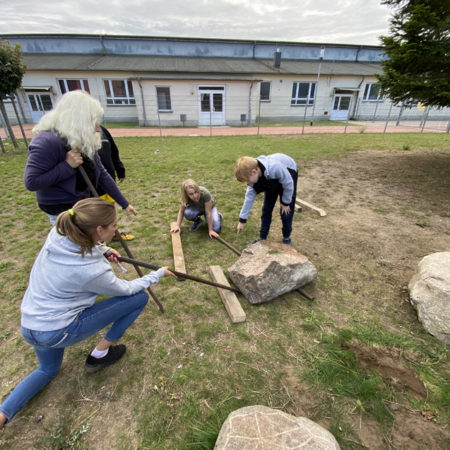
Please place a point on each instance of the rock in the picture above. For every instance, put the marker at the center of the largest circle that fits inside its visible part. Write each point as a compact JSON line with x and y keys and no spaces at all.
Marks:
{"x":266,"y":270}
{"x":429,"y":291}
{"x":259,"y":427}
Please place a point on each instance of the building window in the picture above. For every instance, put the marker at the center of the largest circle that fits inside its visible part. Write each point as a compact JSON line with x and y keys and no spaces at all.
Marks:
{"x":164,"y":101}
{"x":119,"y":92}
{"x":372,"y":92}
{"x":264,"y":93}
{"x":303,"y":93}
{"x":73,"y":85}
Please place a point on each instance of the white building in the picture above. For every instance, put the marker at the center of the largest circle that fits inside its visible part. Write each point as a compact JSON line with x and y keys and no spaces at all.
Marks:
{"x":187,"y":81}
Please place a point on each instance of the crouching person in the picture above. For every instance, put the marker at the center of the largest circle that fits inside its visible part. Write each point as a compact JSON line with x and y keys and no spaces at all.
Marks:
{"x":59,"y":309}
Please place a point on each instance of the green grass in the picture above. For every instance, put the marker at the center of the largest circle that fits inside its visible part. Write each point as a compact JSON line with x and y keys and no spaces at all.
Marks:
{"x":187,"y":369}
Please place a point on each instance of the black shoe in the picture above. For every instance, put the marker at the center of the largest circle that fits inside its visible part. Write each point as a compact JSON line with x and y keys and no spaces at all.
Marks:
{"x":198,"y":222}
{"x":255,"y":241}
{"x":287,"y":241}
{"x":115,"y":352}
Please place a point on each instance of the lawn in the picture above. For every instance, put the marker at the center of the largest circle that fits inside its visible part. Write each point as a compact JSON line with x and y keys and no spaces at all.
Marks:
{"x":387,"y":202}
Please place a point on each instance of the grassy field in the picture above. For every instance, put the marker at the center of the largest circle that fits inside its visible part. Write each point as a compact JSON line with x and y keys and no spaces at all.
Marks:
{"x":355,"y":360}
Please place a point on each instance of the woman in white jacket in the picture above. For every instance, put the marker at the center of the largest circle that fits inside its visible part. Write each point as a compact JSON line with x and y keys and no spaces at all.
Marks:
{"x":59,"y":309}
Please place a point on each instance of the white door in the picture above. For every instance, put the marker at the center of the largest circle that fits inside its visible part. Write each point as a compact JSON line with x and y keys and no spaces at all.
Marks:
{"x":211,"y":105}
{"x":39,"y":105}
{"x":341,"y":107}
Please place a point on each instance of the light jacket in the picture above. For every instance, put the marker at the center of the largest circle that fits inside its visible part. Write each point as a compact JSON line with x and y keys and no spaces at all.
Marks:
{"x":63,"y":283}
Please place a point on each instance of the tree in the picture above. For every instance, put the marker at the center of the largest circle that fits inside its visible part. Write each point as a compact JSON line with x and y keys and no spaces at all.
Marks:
{"x":418,"y":50}
{"x":11,"y":73}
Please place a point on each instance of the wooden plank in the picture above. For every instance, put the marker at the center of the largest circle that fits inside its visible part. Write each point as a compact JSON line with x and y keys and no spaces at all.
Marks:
{"x":229,"y":299}
{"x":178,"y":257}
{"x":320,"y":211}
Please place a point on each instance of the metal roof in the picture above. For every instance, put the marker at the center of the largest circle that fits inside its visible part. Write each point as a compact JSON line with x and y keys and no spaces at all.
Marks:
{"x":186,"y":65}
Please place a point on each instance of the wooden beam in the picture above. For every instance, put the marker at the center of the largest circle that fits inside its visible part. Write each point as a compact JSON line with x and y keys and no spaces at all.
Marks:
{"x":178,"y":257}
{"x":300,"y":203}
{"x":229,"y":299}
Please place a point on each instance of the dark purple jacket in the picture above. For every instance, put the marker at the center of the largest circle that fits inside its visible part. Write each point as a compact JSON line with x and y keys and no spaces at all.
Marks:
{"x":54,"y":180}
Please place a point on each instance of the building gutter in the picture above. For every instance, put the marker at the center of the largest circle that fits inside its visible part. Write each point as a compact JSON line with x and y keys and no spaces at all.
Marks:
{"x":144,"y":114}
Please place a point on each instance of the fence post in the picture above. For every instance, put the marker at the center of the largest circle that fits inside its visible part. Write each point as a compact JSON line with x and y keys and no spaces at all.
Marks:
{"x":448,"y":127}
{"x":159,"y":122}
{"x":349,"y":109}
{"x":304,"y":119}
{"x":13,"y":101}
{"x":400,"y":114}
{"x":3,"y":147}
{"x":375,"y":112}
{"x":388,"y":118}
{"x":425,"y":117}
{"x":259,"y":113}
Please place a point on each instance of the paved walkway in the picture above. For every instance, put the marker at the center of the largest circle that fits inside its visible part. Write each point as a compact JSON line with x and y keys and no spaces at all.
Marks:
{"x":353,"y":127}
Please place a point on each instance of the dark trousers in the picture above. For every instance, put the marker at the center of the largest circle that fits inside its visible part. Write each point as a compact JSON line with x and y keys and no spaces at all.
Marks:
{"x":270,"y":198}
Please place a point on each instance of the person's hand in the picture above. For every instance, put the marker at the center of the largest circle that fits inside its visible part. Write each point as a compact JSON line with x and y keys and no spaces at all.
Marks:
{"x":213,"y":234}
{"x":240,"y":227}
{"x":113,"y":255}
{"x":285,"y":209}
{"x":167,"y":272}
{"x":175,"y":229}
{"x":121,"y":179}
{"x":130,"y":209}
{"x":74,"y":158}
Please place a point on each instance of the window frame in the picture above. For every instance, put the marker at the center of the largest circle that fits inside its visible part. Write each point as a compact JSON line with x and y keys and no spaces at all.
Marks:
{"x":268,"y":99}
{"x":309,"y":100}
{"x":117,"y":100}
{"x":66,"y":87}
{"x":367,"y":91}
{"x":170,"y":109}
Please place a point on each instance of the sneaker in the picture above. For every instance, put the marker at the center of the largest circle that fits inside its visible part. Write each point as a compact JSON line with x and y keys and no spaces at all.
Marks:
{"x":114,"y":354}
{"x":124,"y":236}
{"x":287,"y":241}
{"x":255,"y":241}
{"x":196,"y":225}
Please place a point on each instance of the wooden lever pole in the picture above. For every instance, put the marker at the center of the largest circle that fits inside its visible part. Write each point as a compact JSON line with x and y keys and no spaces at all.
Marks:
{"x":124,"y":245}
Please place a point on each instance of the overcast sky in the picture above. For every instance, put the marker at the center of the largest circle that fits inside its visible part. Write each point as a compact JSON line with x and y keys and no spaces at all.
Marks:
{"x":324,"y":21}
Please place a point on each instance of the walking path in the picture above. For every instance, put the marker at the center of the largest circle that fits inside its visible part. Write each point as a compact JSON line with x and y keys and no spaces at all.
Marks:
{"x":353,"y":127}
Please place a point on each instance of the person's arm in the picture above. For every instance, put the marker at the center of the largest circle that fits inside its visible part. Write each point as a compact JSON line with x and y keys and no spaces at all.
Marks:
{"x":180,"y":217}
{"x":49,"y":163}
{"x":250,"y":195}
{"x":282,"y":174}
{"x":115,"y":157}
{"x":208,"y":211}
{"x":108,"y":284}
{"x":110,"y":187}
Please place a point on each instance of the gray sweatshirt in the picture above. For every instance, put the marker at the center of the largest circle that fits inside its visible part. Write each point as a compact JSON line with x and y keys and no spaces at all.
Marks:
{"x":276,"y":168}
{"x":63,"y":283}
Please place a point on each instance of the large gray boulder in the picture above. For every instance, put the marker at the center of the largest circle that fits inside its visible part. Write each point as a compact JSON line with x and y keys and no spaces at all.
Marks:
{"x":266,"y":270}
{"x":429,"y":291}
{"x":259,"y":427}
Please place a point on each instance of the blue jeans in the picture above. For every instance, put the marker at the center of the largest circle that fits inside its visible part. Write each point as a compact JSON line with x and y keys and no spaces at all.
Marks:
{"x":49,"y":345}
{"x":52,"y":218}
{"x":192,"y":213}
{"x":270,"y":198}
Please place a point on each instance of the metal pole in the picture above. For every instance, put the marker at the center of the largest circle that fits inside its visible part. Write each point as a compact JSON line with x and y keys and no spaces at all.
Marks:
{"x":400,"y":114}
{"x":259,"y":112}
{"x":13,"y":101}
{"x":124,"y":245}
{"x":304,"y":119}
{"x":425,"y":117}
{"x":3,"y":147}
{"x":322,"y":54}
{"x":388,"y":118}
{"x":448,"y":127}
{"x":159,"y":121}
{"x":349,"y":108}
{"x":210,"y":117}
{"x":178,"y":274}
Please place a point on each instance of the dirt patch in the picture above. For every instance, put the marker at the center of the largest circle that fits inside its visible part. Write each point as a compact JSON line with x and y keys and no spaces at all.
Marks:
{"x":390,"y":365}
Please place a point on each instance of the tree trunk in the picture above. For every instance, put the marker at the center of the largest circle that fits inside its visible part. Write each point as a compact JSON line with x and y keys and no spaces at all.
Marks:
{"x":8,"y":125}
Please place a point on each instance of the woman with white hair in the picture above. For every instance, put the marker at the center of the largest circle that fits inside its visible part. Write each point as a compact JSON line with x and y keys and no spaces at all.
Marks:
{"x":67,"y":137}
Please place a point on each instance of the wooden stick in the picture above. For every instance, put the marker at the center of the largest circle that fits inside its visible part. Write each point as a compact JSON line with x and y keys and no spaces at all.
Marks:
{"x":320,"y":211}
{"x":124,"y":245}
{"x":229,"y":299}
{"x":305,"y":294}
{"x":178,"y":274}
{"x":224,"y":242}
{"x":178,"y":257}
